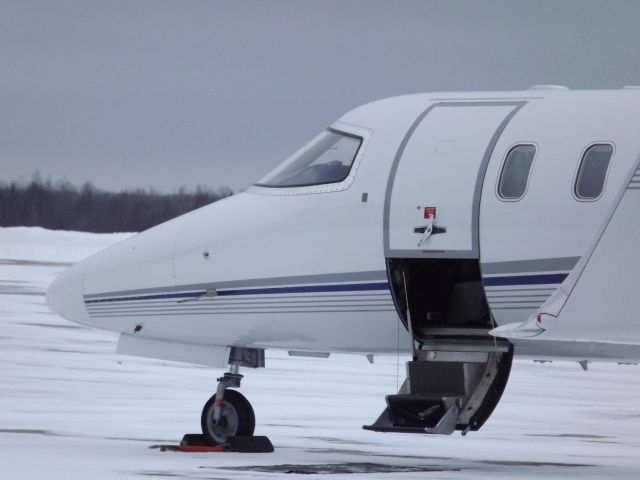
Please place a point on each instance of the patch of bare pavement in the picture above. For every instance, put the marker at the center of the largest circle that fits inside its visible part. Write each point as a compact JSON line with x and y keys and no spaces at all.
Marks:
{"x":439,"y":465}
{"x":340,"y":468}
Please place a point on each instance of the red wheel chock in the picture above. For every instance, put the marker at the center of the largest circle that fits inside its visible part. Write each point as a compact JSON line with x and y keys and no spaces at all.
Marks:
{"x":196,"y":443}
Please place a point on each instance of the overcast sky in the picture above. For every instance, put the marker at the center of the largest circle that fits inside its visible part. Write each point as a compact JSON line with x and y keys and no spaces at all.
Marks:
{"x":141,"y":93}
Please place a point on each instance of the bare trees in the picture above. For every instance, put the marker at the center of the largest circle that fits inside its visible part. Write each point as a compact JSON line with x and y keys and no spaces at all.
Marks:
{"x":62,"y":206}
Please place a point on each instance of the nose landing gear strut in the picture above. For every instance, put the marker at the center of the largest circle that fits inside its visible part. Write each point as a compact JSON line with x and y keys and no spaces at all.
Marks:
{"x":228,"y":413}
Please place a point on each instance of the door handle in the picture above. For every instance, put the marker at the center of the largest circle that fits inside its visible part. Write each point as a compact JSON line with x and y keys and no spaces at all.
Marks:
{"x":434,"y":229}
{"x":428,"y":230}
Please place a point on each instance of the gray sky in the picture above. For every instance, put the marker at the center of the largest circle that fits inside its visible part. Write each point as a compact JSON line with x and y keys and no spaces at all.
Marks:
{"x":167,"y":93}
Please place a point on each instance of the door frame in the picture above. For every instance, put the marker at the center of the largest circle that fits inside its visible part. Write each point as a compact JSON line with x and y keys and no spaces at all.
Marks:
{"x":475,"y":219}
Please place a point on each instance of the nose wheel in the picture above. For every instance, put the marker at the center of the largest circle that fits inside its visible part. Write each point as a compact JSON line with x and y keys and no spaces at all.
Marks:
{"x":228,"y":413}
{"x":236,"y":418}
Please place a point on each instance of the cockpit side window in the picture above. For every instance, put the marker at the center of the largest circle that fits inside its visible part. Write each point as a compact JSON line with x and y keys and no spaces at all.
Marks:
{"x":326,"y":159}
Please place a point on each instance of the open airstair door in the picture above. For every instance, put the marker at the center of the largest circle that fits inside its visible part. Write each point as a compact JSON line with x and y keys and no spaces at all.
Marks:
{"x":437,"y":177}
{"x":431,"y":235}
{"x":431,"y":224}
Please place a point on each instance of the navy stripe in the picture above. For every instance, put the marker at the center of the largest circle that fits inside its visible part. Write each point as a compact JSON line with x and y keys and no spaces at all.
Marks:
{"x":354,"y":287}
{"x":549,"y":278}
{"x":149,"y":297}
{"x":199,"y":306}
{"x":203,"y":306}
{"x":552,"y":278}
{"x":341,"y":297}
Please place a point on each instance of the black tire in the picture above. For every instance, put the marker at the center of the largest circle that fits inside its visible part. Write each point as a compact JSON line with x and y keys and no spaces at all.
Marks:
{"x":237,"y":419}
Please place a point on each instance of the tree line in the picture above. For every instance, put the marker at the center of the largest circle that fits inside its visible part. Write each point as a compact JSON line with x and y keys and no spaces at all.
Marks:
{"x":63,"y":206}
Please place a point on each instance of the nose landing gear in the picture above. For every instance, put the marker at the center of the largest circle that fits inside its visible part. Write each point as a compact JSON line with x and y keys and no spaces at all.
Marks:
{"x":228,"y":413}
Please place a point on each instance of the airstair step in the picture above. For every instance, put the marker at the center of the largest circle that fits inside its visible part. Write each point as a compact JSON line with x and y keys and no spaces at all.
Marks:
{"x":418,"y":413}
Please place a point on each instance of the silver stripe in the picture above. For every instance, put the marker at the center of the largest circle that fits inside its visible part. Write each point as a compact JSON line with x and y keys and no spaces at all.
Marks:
{"x":515,"y":308}
{"x":518,"y":299}
{"x":186,"y":307}
{"x":560,"y":264}
{"x":274,"y":307}
{"x":511,"y":302}
{"x":634,"y":183}
{"x":299,"y":280}
{"x":538,"y":301}
{"x":516,"y":295}
{"x":238,"y":312}
{"x":231,"y":312}
{"x":203,"y":304}
{"x":371,"y":308}
{"x":518,"y":288}
{"x":248,"y":298}
{"x":244,"y":298}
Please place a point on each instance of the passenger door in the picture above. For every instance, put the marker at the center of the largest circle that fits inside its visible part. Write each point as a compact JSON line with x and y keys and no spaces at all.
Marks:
{"x":433,"y":197}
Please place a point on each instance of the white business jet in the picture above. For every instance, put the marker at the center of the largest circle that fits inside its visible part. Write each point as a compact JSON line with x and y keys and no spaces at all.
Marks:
{"x":489,"y":224}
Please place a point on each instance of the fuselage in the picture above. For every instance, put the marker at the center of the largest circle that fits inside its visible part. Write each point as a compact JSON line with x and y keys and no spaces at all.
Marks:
{"x":307,"y":266}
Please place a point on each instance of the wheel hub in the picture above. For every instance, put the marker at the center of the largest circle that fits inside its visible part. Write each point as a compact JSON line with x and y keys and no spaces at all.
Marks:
{"x":227,"y":426}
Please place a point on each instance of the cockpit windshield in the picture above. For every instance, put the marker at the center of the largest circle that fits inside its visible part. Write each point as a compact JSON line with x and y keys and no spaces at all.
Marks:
{"x":325,"y":159}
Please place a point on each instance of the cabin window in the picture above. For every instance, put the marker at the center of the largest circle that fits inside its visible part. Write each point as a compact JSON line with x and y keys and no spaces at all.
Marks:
{"x":515,"y":172}
{"x":593,"y":171}
{"x":326,"y":159}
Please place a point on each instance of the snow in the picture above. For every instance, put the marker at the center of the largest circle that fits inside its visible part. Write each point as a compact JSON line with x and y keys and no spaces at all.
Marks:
{"x":70,"y":408}
{"x":38,"y":244}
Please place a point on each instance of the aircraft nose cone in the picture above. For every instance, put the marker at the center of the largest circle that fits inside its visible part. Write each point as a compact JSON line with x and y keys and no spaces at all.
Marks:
{"x":64,"y":296}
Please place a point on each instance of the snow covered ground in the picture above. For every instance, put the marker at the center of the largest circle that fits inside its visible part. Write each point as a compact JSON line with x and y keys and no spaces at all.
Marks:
{"x":71,"y":409}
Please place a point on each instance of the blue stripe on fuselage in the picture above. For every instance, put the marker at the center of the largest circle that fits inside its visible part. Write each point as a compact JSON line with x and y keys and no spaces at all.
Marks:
{"x":542,"y":279}
{"x":353,"y":287}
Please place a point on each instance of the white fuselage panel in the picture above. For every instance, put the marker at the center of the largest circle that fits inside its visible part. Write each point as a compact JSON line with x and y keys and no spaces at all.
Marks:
{"x":304,"y":268}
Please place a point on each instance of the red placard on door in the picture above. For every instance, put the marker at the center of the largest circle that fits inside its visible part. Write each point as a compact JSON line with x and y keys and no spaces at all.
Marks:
{"x":430,"y":212}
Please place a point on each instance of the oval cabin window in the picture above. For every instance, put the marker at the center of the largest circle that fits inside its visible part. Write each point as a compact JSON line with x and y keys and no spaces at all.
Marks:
{"x":593,"y":171}
{"x":515,"y":172}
